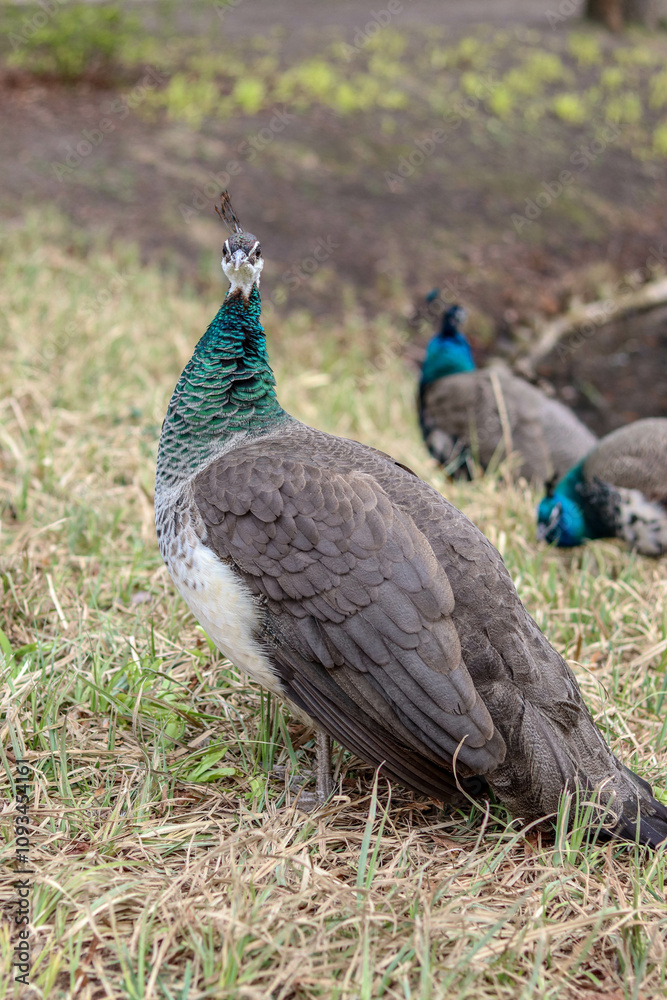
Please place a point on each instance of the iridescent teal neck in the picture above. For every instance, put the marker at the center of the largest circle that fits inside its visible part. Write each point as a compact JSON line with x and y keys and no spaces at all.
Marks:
{"x":573,"y":487}
{"x":568,"y":485}
{"x":448,"y":353}
{"x":227,"y":388}
{"x":567,"y":516}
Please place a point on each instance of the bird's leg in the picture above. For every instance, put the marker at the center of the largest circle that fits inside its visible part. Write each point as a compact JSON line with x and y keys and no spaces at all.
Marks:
{"x":323,"y":777}
{"x":323,"y":768}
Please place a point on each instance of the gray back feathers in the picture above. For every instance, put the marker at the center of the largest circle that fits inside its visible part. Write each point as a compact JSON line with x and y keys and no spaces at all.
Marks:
{"x":487,"y":410}
{"x":394,"y":625}
{"x":633,"y":457}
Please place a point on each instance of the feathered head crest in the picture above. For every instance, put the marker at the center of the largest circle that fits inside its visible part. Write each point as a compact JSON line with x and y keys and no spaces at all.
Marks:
{"x":550,"y":485}
{"x":227,"y":213}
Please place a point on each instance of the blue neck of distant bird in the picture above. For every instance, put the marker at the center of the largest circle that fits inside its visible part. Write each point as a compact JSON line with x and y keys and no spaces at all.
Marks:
{"x":569,"y":485}
{"x":227,"y":388}
{"x":573,"y":487}
{"x":448,"y":353}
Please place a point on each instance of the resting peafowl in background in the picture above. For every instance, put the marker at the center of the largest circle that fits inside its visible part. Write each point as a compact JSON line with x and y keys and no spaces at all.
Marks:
{"x":355,"y":592}
{"x":465,"y":412}
{"x":618,"y":490}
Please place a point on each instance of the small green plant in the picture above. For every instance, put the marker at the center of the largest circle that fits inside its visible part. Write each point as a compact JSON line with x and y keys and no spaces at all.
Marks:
{"x":626,"y":108}
{"x":585,"y":49}
{"x":641,"y":55}
{"x":470,"y":52}
{"x":579,"y":821}
{"x":204,"y":765}
{"x":389,"y":43}
{"x":570,"y":108}
{"x":660,"y":139}
{"x":545,"y":67}
{"x":501,"y":101}
{"x":74,"y":40}
{"x":611,"y":77}
{"x":521,"y":82}
{"x":249,"y":94}
{"x":440,"y":57}
{"x":472,"y":83}
{"x":189,"y":100}
{"x":658,"y":91}
{"x":314,"y":78}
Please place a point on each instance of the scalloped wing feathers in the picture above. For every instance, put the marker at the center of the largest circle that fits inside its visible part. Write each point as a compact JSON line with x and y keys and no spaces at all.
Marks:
{"x":356,"y":588}
{"x":394,"y":625}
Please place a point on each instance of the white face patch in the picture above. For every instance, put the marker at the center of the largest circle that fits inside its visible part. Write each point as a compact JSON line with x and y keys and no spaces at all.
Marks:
{"x":240,"y":272}
{"x":642,"y":523}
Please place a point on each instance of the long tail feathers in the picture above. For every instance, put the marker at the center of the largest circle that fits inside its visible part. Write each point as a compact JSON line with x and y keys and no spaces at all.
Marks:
{"x":643,"y":821}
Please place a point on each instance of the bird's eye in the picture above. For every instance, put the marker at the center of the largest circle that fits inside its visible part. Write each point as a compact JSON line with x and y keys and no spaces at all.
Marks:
{"x":258,"y":253}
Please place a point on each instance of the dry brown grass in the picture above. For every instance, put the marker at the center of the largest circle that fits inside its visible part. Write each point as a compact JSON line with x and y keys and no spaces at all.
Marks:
{"x":168,"y":864}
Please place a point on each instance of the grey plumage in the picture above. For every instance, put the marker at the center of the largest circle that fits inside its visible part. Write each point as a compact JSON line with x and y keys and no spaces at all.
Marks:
{"x":620,"y":489}
{"x":394,"y":626}
{"x":633,"y":457}
{"x":343,"y":583}
{"x":461,"y":413}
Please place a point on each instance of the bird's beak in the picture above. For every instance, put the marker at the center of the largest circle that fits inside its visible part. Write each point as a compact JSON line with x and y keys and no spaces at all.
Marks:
{"x":238,"y":257}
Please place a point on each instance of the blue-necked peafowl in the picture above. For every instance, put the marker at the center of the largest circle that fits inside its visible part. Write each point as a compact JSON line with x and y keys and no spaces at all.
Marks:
{"x":466,"y":412}
{"x":618,"y":490}
{"x":354,"y":591}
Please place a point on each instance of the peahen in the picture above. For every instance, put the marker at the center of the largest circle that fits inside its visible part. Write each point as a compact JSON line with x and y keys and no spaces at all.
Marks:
{"x":466,"y":412}
{"x":355,"y":592}
{"x":618,"y":490}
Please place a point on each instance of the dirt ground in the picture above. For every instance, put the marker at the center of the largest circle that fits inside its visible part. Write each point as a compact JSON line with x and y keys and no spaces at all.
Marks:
{"x":614,"y":374}
{"x":320,"y":186}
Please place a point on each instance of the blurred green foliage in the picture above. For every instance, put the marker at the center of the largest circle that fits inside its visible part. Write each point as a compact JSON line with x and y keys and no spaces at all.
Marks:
{"x":585,"y":48}
{"x":491,"y":80}
{"x":660,"y":139}
{"x":571,"y":108}
{"x":486,"y":79}
{"x":69,"y":41}
{"x":611,"y":77}
{"x":625,"y":108}
{"x":658,"y":90}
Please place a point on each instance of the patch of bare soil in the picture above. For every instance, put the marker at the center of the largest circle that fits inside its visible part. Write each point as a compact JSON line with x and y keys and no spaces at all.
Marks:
{"x":614,"y":374}
{"x":317,"y":191}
